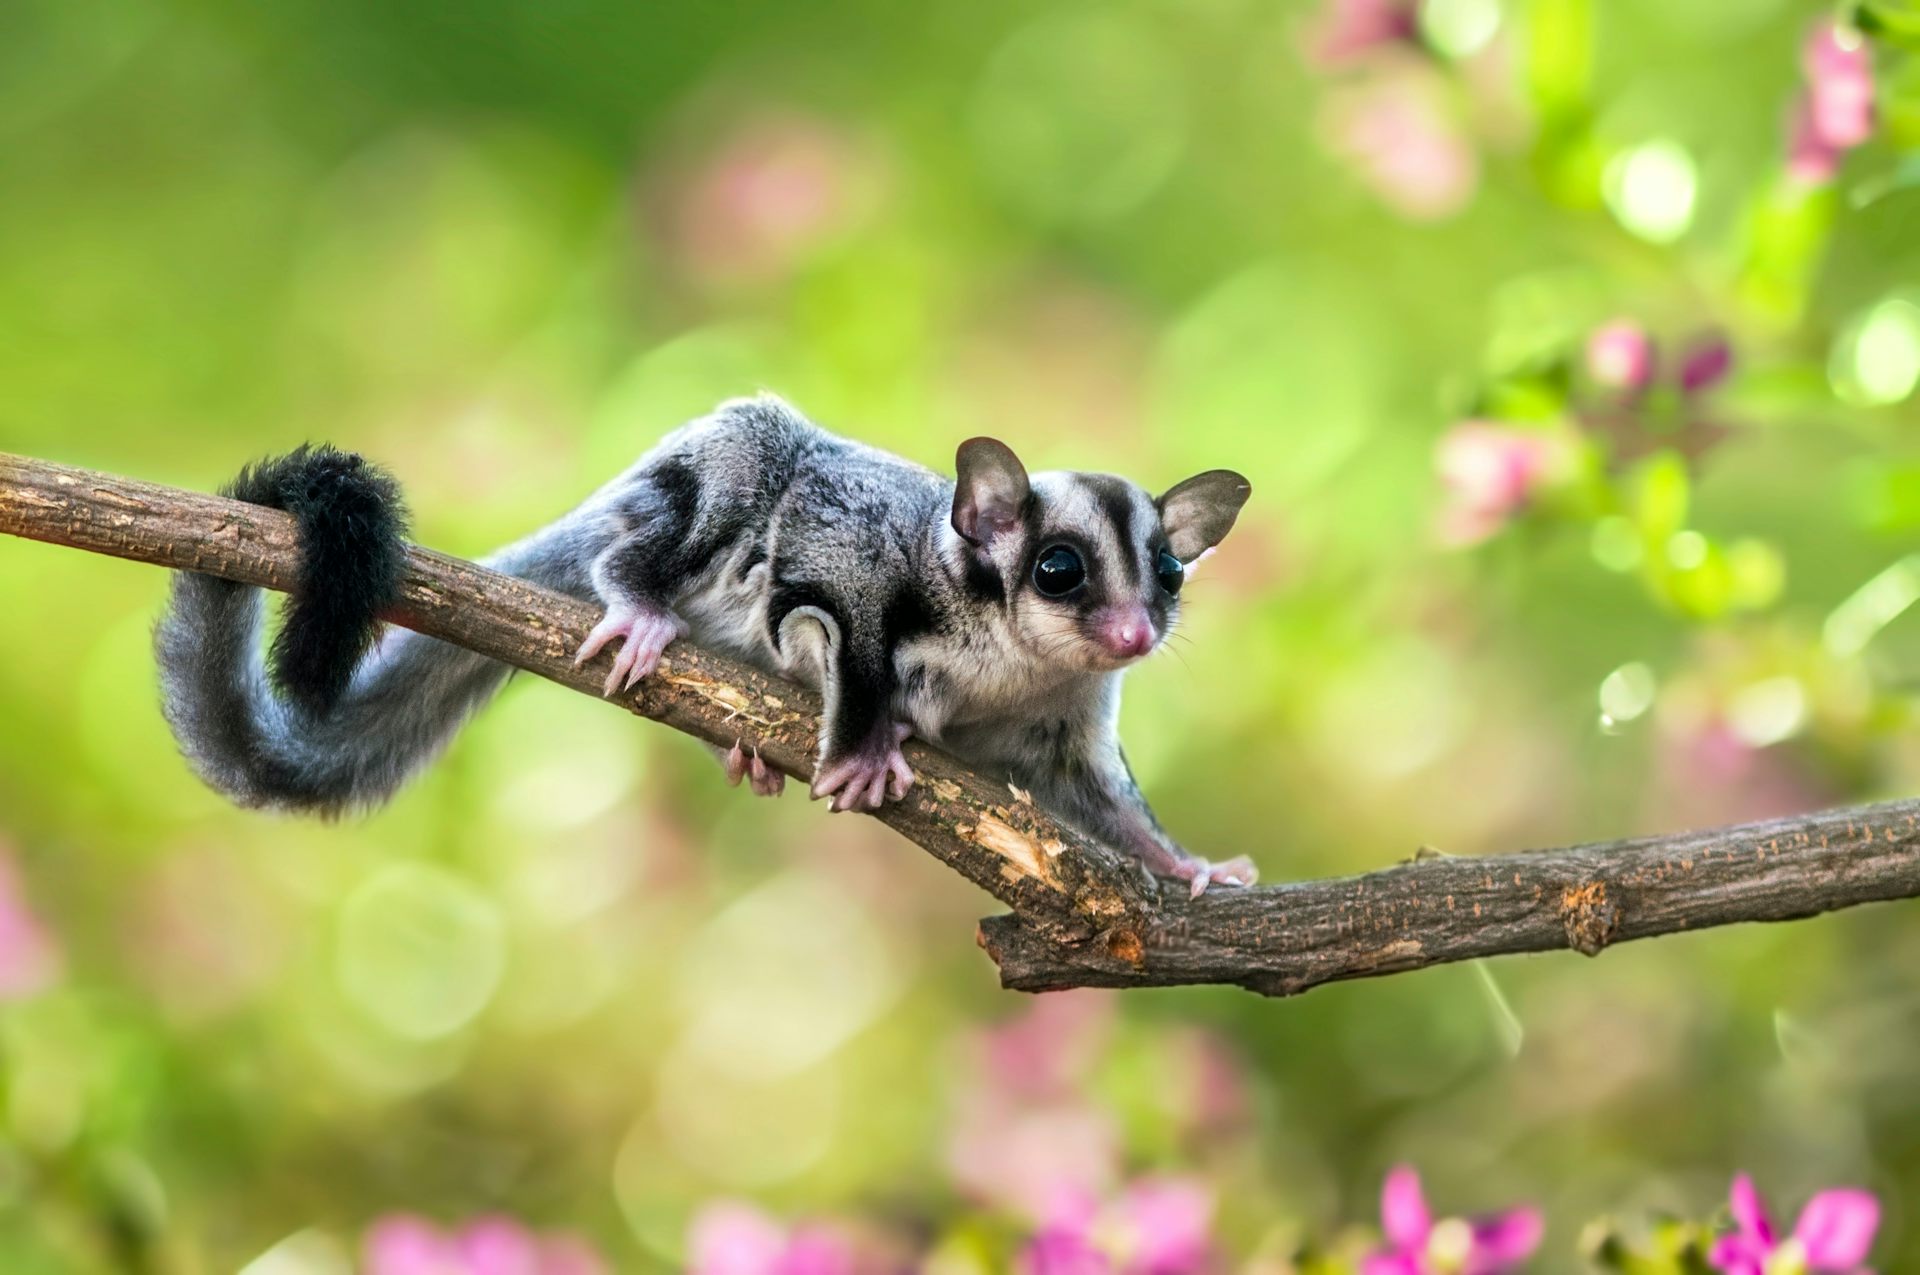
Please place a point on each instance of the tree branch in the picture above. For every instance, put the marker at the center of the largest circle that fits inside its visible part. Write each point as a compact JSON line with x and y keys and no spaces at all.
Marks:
{"x":1082,"y":914}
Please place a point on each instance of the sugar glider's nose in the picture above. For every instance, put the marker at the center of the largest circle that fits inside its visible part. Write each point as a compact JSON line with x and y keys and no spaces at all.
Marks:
{"x":1125,"y":632}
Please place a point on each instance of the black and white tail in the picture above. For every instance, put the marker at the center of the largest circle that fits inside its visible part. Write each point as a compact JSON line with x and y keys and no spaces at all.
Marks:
{"x":338,"y":716}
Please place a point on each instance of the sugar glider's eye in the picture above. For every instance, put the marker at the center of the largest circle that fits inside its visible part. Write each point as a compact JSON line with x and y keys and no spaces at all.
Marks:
{"x":1171,"y":573}
{"x":1058,"y":571}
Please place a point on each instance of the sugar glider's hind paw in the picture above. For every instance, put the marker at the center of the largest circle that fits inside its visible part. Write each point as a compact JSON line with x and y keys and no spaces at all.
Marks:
{"x":1200,"y":873}
{"x":870,"y":776}
{"x":644,"y":632}
{"x":762,"y":778}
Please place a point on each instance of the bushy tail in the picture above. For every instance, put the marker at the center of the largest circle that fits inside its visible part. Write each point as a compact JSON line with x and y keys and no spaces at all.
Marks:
{"x":355,"y":712}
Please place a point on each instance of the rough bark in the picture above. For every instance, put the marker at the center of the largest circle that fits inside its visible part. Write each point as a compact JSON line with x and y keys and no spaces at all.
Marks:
{"x":1082,"y":915}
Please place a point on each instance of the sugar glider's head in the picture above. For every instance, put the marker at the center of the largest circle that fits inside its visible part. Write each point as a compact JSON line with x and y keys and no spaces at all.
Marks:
{"x":1088,"y":566}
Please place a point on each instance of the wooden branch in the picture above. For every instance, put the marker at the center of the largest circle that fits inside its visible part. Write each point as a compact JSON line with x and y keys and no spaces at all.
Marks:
{"x":1082,"y":914}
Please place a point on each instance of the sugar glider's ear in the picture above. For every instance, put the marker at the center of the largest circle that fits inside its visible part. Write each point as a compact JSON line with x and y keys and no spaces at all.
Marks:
{"x":990,"y":491}
{"x":1199,"y":512}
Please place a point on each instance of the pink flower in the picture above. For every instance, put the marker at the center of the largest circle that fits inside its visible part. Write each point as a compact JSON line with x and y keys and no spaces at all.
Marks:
{"x":1834,"y":113}
{"x":1045,"y":1050}
{"x":1620,"y":356}
{"x":730,"y":1238}
{"x":1491,"y":472}
{"x":1839,"y":71}
{"x":402,"y":1244}
{"x":778,"y":189}
{"x":1345,"y":30}
{"x":1833,"y":1234}
{"x":1025,"y":1137}
{"x":1157,"y":1226}
{"x":1418,"y":1245}
{"x":1398,"y":133}
{"x":1706,"y":364}
{"x":29,"y":957}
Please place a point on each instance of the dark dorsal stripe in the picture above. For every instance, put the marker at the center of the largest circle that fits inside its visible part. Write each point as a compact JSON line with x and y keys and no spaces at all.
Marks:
{"x":1115,"y":499}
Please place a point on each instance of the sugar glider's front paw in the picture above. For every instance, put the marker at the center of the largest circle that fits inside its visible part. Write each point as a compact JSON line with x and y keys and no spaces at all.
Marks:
{"x":644,"y":631}
{"x":762,"y":778}
{"x":1199,"y":873}
{"x":868,"y":777}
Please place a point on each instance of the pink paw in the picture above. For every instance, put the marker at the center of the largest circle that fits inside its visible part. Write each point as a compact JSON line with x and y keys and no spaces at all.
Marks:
{"x":869,"y":778}
{"x":644,"y":632}
{"x":1199,"y":874}
{"x":762,"y":778}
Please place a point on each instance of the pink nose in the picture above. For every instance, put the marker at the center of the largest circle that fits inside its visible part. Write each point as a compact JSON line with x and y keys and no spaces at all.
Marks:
{"x":1125,"y":632}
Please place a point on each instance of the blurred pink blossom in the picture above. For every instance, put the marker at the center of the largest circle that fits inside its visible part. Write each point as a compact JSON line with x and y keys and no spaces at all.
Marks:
{"x":29,"y":956}
{"x":1025,"y":1138}
{"x":1834,"y":1233}
{"x":1834,"y":112}
{"x":1157,"y":1226}
{"x":1708,"y":774}
{"x":1839,"y":71}
{"x":780,"y":187}
{"x":731,"y":1238}
{"x":1398,"y":133}
{"x":1491,"y":472}
{"x":1344,"y":30}
{"x":1620,"y":356}
{"x":1706,"y":364}
{"x":1027,"y":1157}
{"x":1045,"y":1050}
{"x":1418,"y":1245}
{"x":1211,"y":1096}
{"x":403,"y":1244}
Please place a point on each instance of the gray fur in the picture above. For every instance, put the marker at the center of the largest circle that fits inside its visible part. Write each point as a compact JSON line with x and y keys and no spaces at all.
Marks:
{"x":804,"y":554}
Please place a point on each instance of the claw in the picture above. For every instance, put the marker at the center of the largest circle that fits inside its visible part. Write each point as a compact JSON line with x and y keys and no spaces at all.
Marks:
{"x":764,"y":779}
{"x":869,"y":778}
{"x":644,"y":632}
{"x":1199,"y":873}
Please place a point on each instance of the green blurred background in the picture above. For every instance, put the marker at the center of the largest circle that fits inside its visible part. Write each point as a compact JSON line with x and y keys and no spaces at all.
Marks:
{"x":502,"y":246}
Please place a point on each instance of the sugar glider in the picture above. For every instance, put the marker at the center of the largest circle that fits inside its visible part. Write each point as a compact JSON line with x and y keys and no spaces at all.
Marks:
{"x":993,"y":614}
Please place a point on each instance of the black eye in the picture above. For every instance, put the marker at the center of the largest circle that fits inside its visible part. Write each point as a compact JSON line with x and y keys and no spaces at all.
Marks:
{"x":1058,"y":572}
{"x":1171,"y":573}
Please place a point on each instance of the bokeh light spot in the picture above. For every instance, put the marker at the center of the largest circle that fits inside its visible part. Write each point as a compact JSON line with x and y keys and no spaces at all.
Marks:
{"x":302,"y":1253}
{"x":1876,"y":360}
{"x":1651,"y":189}
{"x":1874,"y":605}
{"x":1626,"y":694}
{"x":421,"y":951}
{"x":747,"y":1133}
{"x":1616,"y":543}
{"x":558,"y":761}
{"x":1687,"y":550}
{"x":1768,"y":711}
{"x":782,"y":978}
{"x":1459,"y":28}
{"x":1759,"y":573}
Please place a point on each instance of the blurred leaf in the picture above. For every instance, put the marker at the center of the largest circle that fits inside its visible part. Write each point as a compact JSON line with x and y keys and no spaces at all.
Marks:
{"x":1559,"y":55}
{"x":1786,"y":232}
{"x":1902,"y":177}
{"x":1885,"y":498}
{"x":1894,"y":21}
{"x":1663,"y":490}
